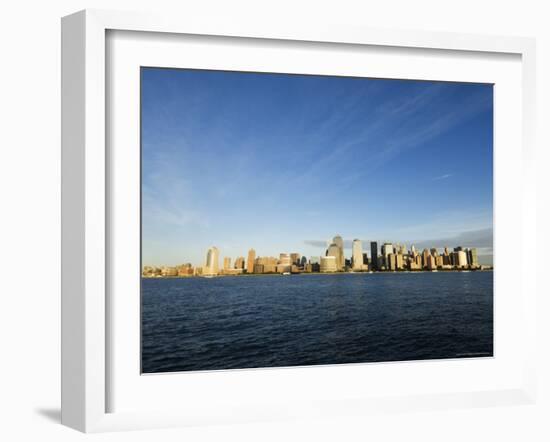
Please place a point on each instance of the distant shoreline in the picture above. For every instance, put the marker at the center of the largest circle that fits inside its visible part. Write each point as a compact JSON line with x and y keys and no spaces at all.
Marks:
{"x":248,"y":275}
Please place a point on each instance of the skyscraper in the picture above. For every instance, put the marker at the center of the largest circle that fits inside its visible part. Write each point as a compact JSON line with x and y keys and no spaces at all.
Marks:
{"x":239,"y":262}
{"x":212,"y":261}
{"x":425,"y":255}
{"x":387,"y":248}
{"x":374,"y":254}
{"x":462,"y":259}
{"x":334,"y":250}
{"x":250,"y":261}
{"x":473,"y":257}
{"x":357,"y":254}
{"x":340,"y":243}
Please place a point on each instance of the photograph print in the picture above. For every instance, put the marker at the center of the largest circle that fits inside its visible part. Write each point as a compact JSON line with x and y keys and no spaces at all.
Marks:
{"x":301,"y":220}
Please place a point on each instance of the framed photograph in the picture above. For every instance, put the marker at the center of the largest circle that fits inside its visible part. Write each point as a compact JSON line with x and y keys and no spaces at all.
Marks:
{"x":262,"y":222}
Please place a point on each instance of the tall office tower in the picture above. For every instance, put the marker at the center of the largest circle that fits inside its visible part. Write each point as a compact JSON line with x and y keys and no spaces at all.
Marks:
{"x":303,"y":261}
{"x":357,"y":254}
{"x":227,"y":263}
{"x":328,"y":264}
{"x":340,"y":243}
{"x":334,"y":250}
{"x":365,"y":258}
{"x":462,"y":259}
{"x":387,"y":248}
{"x":212,"y":261}
{"x":433,"y":251}
{"x":446,"y":257}
{"x":454,"y":258}
{"x":413,"y":250}
{"x":392,"y":261}
{"x":239,"y":262}
{"x":473,"y":257}
{"x":431,"y":262}
{"x":295,"y":258}
{"x":425,"y":254}
{"x":250,"y":261}
{"x":374,"y":254}
{"x":400,"y":264}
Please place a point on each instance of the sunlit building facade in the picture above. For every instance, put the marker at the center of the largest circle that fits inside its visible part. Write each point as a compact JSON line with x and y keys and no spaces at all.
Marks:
{"x":328,"y":264}
{"x":212,"y":261}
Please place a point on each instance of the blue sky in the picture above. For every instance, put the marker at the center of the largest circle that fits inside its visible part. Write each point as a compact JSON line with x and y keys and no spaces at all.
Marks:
{"x":282,"y":163}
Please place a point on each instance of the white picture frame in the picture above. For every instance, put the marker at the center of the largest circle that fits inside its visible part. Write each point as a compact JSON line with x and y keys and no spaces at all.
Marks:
{"x":86,"y":207}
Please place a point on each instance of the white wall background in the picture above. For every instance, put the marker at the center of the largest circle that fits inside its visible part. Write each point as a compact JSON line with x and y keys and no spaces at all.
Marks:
{"x":30,"y":216}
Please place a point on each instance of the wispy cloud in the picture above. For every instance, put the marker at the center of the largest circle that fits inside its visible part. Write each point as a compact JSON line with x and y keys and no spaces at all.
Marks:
{"x":397,"y":126}
{"x":442,"y":177}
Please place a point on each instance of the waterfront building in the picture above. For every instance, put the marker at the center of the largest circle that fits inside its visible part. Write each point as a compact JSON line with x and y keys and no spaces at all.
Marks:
{"x":454,"y":259}
{"x":433,"y":251}
{"x":250,"y":261}
{"x":430,"y":263}
{"x":462,"y":260}
{"x":265,"y":264}
{"x":387,"y":248}
{"x":340,"y":243}
{"x":392,"y":261}
{"x":283,"y":268}
{"x":185,"y":270}
{"x":239,"y":262}
{"x":328,"y":264}
{"x":439,"y":261}
{"x":284,"y":259}
{"x":295,"y":258}
{"x":473,"y":261}
{"x":212,"y":261}
{"x":303,"y":261}
{"x":425,"y":254}
{"x":334,"y":250}
{"x":446,"y":257}
{"x":399,"y":262}
{"x":226,"y":263}
{"x":416,"y":262}
{"x":169,"y":271}
{"x":357,"y":254}
{"x":374,"y":255}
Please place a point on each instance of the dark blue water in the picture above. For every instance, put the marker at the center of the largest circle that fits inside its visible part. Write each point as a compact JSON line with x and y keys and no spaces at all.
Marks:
{"x":275,"y":321}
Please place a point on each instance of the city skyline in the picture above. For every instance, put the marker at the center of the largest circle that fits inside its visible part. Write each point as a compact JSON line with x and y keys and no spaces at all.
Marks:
{"x":279,"y":161}
{"x":388,"y":257}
